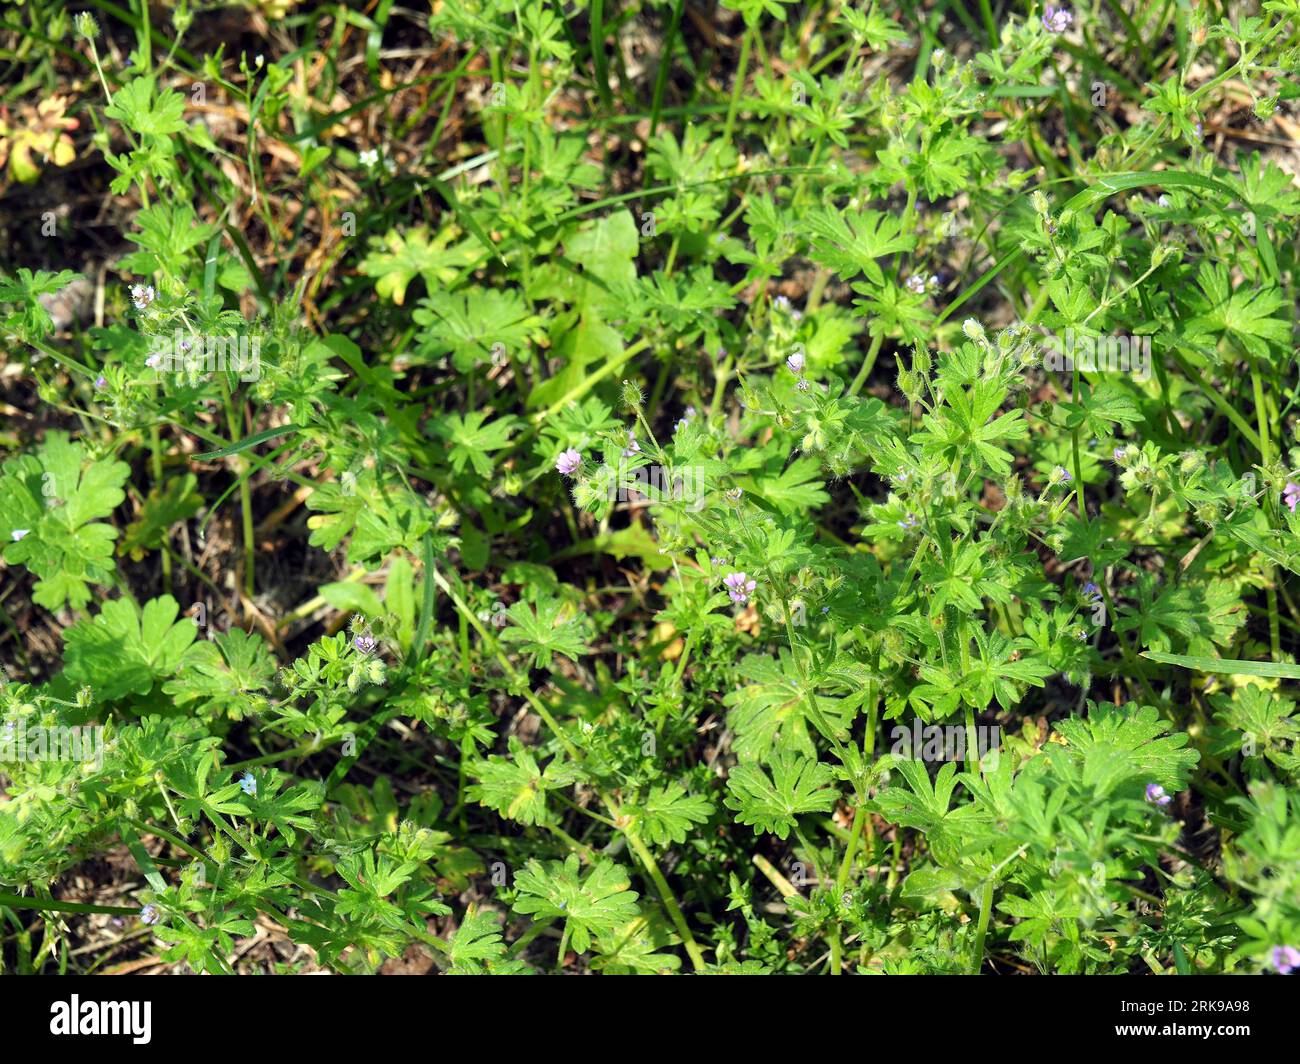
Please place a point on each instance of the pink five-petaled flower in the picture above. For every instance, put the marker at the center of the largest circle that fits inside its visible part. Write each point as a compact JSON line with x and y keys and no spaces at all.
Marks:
{"x":1286,"y":959}
{"x":1291,"y":495}
{"x":1156,"y":795}
{"x":149,"y":914}
{"x":1057,"y":19}
{"x":739,"y":587}
{"x":364,"y":643}
{"x":568,"y":462}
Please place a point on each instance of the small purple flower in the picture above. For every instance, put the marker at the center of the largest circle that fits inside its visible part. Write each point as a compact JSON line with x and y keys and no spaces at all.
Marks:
{"x":1156,"y":795}
{"x":1062,"y":474}
{"x":1091,"y":590}
{"x":1291,"y":495}
{"x":916,"y":284}
{"x":364,"y":642}
{"x":783,"y":302}
{"x":684,"y":419}
{"x":247,"y":784}
{"x":909,"y":522}
{"x":796,"y":363}
{"x":1120,"y":454}
{"x":155,"y":360}
{"x":142,"y":295}
{"x":632,"y":446}
{"x":1057,"y":19}
{"x":739,"y":587}
{"x":1286,"y":959}
{"x":101,"y":381}
{"x":149,"y":914}
{"x":568,"y":462}
{"x":19,"y":533}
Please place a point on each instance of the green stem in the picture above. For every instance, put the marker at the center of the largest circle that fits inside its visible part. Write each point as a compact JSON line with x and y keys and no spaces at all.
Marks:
{"x":986,"y":908}
{"x":670,"y":901}
{"x":17,"y":901}
{"x":736,"y":89}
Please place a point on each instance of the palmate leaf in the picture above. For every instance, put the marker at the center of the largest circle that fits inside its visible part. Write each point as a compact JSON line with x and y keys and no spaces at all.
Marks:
{"x":219,"y":677}
{"x":477,"y":947}
{"x":472,"y":438}
{"x":590,"y":905}
{"x":849,"y":244}
{"x":396,"y":260}
{"x":515,"y":786}
{"x":797,"y":489}
{"x":542,"y":632}
{"x":1263,"y":719}
{"x":137,"y":108}
{"x":1120,"y":747}
{"x":773,"y":708}
{"x":49,"y":503}
{"x":168,"y":504}
{"x":1245,"y":315}
{"x":668,"y":813}
{"x":25,"y":291}
{"x":469,"y":325}
{"x":380,"y":514}
{"x":962,"y":428}
{"x":125,"y":649}
{"x":771,"y":803}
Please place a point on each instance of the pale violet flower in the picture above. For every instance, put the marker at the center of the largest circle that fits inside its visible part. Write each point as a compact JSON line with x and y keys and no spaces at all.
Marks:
{"x":796,"y":363}
{"x":632,"y":446}
{"x":1156,"y":795}
{"x":1286,"y":959}
{"x":1291,"y":495}
{"x":364,"y":642}
{"x":568,"y":462}
{"x":1057,"y":19}
{"x":149,"y":914}
{"x":247,"y":784}
{"x":19,"y":533}
{"x":739,"y":587}
{"x":101,"y":381}
{"x":916,"y":284}
{"x":142,"y":295}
